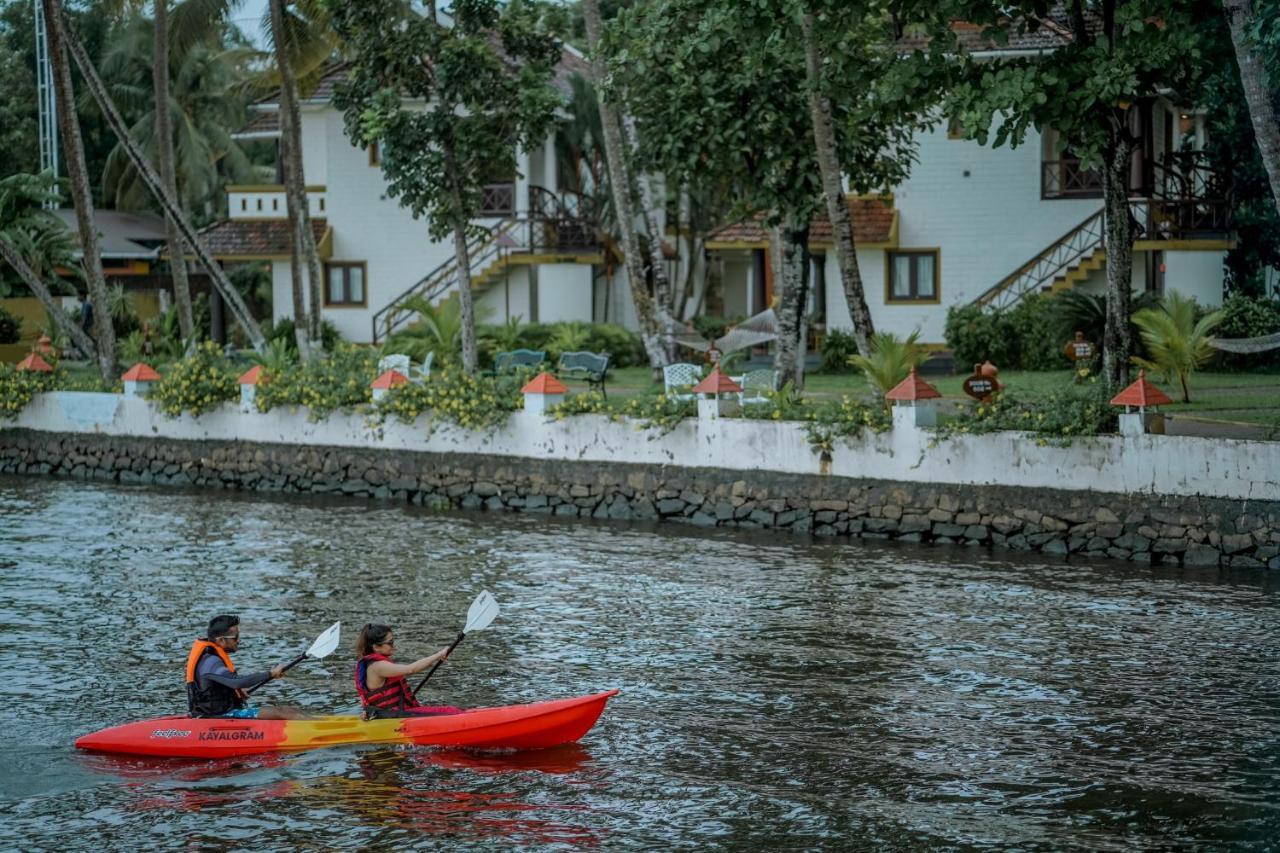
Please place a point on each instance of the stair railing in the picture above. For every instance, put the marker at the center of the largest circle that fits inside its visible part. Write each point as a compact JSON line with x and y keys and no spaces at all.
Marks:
{"x":1068,"y":251}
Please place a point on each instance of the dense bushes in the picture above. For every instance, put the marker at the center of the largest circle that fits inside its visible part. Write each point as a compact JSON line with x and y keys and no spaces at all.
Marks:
{"x":10,"y":328}
{"x":1028,"y":336}
{"x":199,"y":383}
{"x":624,"y":346}
{"x":1249,"y":317}
{"x":837,"y":348}
{"x":339,"y":380}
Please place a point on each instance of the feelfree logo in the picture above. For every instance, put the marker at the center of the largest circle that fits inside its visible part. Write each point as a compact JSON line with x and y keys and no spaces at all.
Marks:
{"x":169,"y":733}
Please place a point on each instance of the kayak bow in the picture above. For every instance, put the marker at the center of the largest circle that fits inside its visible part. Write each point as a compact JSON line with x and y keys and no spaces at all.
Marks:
{"x":538,"y":725}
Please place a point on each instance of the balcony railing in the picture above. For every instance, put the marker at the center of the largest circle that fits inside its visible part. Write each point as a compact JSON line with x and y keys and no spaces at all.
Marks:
{"x":498,"y":199}
{"x":1066,"y":179}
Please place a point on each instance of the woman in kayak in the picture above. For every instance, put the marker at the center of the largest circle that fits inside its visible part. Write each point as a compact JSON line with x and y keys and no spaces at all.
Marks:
{"x":382,"y":684}
{"x":213,"y":687}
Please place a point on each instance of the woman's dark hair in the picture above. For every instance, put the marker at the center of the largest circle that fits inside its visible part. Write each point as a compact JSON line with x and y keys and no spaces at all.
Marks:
{"x":220,"y":625}
{"x":370,"y":635}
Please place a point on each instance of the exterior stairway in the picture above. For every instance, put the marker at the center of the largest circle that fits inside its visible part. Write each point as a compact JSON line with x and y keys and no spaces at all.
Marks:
{"x":1061,"y":265}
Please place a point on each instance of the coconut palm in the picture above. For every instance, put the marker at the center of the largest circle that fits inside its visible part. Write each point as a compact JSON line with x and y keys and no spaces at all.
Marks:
{"x":1177,"y":343}
{"x":439,"y":330}
{"x":890,"y":360}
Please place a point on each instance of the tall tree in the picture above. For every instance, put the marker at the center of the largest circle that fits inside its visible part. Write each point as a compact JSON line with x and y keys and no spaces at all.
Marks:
{"x":1121,"y":53}
{"x":164,"y":139}
{"x":78,"y":176}
{"x":448,"y":104}
{"x":1247,"y":23}
{"x":620,"y":185}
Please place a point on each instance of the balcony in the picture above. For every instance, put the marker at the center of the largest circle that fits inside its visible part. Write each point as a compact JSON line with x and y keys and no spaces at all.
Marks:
{"x":267,"y":201}
{"x":1065,"y":179}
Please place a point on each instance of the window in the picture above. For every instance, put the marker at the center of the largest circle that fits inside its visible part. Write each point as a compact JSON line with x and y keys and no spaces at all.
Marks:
{"x":344,"y":283}
{"x":912,"y":276}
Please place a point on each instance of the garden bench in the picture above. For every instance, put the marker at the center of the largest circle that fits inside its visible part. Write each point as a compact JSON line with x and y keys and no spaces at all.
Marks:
{"x":507,"y":362}
{"x":589,"y":366}
{"x":680,"y":375}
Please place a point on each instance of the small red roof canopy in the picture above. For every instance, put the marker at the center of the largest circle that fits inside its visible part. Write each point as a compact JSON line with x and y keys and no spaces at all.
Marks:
{"x":34,"y":362}
{"x":912,"y":388}
{"x":390,"y":379}
{"x":717,"y":383}
{"x":1141,"y":393}
{"x":544,"y":383}
{"x":253,"y":376}
{"x":140,"y":372}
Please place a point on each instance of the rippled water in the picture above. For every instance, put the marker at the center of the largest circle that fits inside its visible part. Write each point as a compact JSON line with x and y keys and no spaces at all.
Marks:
{"x":775,"y":693}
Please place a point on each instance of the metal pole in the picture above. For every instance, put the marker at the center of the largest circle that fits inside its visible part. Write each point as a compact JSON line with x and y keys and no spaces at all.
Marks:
{"x":46,"y":98}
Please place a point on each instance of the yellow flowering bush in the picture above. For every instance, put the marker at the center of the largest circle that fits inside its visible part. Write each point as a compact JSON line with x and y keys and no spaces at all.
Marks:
{"x":657,"y":412}
{"x":199,"y":383}
{"x":18,"y":387}
{"x":1056,"y":418}
{"x":589,"y":403}
{"x":832,"y":421}
{"x":470,"y":401}
{"x":338,"y":380}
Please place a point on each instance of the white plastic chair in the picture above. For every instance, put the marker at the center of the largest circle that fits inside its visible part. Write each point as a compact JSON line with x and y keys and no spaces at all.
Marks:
{"x":678,"y":375}
{"x":423,"y":373}
{"x":755,"y":384}
{"x":398,"y":363}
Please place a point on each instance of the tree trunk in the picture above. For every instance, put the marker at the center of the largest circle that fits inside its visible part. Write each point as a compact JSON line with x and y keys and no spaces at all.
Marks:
{"x":164,"y":135}
{"x":1261,"y":98}
{"x":151,"y":178}
{"x":462,"y":257}
{"x":793,"y":294}
{"x":824,"y":136}
{"x":620,"y":186}
{"x":295,"y":184}
{"x":663,"y":295}
{"x":68,"y":326}
{"x":78,"y":175}
{"x":1118,"y":225}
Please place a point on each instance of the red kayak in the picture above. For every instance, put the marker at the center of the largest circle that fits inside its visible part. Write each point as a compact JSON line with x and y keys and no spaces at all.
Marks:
{"x":538,"y":725}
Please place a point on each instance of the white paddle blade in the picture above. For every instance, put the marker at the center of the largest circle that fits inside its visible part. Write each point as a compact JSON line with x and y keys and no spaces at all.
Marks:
{"x":326,"y":642}
{"x":483,"y":611}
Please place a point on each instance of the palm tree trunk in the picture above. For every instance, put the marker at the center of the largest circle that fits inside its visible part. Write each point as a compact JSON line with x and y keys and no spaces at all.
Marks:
{"x":466,"y":308}
{"x":78,"y":173}
{"x":68,"y":326}
{"x":1241,"y":15}
{"x":168,"y":203}
{"x":294,"y":178}
{"x":1118,"y":224}
{"x":824,"y":136}
{"x":620,"y":186}
{"x":164,"y":133}
{"x":793,"y":295}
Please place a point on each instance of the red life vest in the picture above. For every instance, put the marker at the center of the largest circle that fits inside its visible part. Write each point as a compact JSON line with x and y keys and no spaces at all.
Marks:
{"x":393,"y":695}
{"x":216,"y":699}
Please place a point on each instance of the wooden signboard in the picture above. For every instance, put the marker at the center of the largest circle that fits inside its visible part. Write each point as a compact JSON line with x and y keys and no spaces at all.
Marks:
{"x":981,"y":387}
{"x":1079,"y":350}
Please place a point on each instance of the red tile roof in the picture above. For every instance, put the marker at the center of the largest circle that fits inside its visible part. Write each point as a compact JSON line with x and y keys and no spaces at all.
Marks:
{"x":253,"y":376}
{"x":717,"y":383}
{"x":35,"y":363}
{"x":544,"y":383}
{"x":254,"y":238}
{"x":1141,"y":393}
{"x":912,"y":388}
{"x":390,"y":379}
{"x":140,"y":372}
{"x":872,"y":223}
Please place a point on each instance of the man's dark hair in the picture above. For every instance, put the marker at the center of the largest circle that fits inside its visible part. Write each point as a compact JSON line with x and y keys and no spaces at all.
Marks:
{"x":220,"y":625}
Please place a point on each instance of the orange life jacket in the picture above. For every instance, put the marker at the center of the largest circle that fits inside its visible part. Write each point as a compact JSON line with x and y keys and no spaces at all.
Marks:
{"x":216,"y":699}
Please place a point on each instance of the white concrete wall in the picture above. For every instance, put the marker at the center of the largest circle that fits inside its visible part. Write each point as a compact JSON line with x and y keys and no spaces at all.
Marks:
{"x":1195,"y":274}
{"x":1144,"y":464}
{"x":564,"y":292}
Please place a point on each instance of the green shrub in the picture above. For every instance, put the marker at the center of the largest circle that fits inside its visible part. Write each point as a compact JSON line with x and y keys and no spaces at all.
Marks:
{"x":624,"y":346}
{"x":10,"y":328}
{"x":837,"y":348}
{"x":1058,"y":417}
{"x":1249,"y":317}
{"x":18,"y":387}
{"x":199,"y":383}
{"x":470,"y":401}
{"x":339,"y":380}
{"x":713,"y":327}
{"x":1029,"y":336}
{"x":283,"y":330}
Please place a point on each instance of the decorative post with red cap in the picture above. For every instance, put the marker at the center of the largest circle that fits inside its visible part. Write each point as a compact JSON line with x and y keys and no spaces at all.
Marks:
{"x":386,"y":381}
{"x":542,"y":392}
{"x":1140,"y":395}
{"x":249,"y":382}
{"x":33,"y":363}
{"x":913,"y":402}
{"x":139,"y":379}
{"x":717,"y":396}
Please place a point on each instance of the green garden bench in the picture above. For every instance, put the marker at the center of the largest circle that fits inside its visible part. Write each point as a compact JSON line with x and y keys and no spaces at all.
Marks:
{"x":506,"y":362}
{"x":587,"y":366}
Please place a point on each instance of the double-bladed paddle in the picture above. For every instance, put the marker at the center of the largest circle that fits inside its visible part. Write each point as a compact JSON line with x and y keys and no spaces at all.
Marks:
{"x":482,"y":612}
{"x":321,"y":648}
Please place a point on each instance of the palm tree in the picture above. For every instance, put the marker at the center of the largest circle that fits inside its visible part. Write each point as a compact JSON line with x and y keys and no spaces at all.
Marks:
{"x":35,"y":242}
{"x":1176,"y":342}
{"x":78,"y":175}
{"x":439,"y":331}
{"x":164,"y":137}
{"x":1243,"y":18}
{"x":890,"y":360}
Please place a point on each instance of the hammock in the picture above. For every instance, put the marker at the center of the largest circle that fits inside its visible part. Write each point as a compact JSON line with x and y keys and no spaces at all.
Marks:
{"x":753,"y":331}
{"x":1246,"y":345}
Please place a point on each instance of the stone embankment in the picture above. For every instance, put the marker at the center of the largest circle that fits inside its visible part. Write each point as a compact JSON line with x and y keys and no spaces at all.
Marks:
{"x":1187,"y":530}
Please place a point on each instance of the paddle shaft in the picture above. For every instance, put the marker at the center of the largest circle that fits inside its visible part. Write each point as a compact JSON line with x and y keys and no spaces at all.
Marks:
{"x":461,"y":634}
{"x":290,"y":665}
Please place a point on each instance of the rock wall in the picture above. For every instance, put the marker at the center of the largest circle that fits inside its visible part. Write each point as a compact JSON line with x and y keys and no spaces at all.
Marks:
{"x":1142,"y":528}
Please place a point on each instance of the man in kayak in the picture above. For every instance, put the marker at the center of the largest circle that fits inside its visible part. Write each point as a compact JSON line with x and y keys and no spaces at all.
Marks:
{"x":383,"y":685}
{"x":213,"y":687}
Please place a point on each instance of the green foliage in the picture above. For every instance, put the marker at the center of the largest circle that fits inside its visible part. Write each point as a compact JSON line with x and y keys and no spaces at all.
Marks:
{"x":10,"y":328}
{"x":832,"y":422}
{"x":283,"y":330}
{"x":1177,"y":342}
{"x":625,"y":347}
{"x":1057,"y":418}
{"x":588,"y":403}
{"x":199,"y":383}
{"x":891,"y":359}
{"x":837,"y":348}
{"x":786,"y":403}
{"x":657,"y":412}
{"x":1249,"y":317}
{"x":277,"y":359}
{"x":438,"y":330}
{"x":1028,"y":336}
{"x":41,"y":238}
{"x":339,"y":380}
{"x":470,"y":401}
{"x":714,"y":327}
{"x":569,"y":337}
{"x":17,"y":388}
